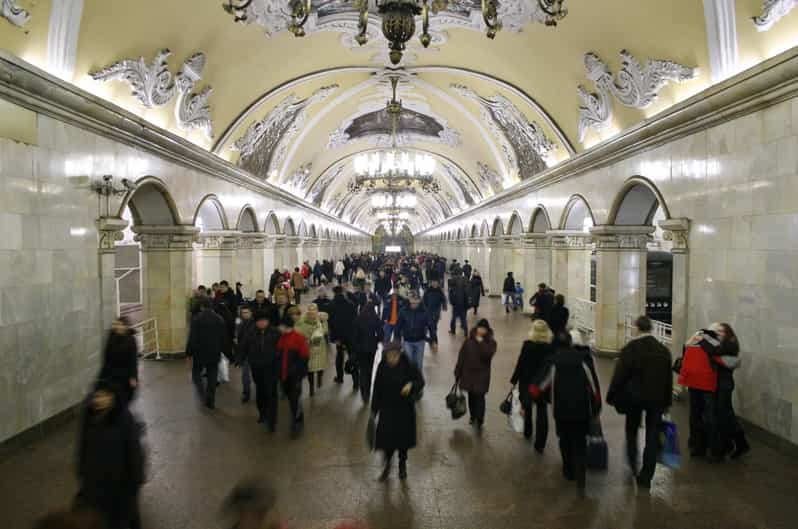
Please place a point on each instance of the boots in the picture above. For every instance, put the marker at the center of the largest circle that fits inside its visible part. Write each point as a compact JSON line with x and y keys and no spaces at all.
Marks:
{"x":403,"y":469}
{"x":741,"y":446}
{"x":386,"y":471}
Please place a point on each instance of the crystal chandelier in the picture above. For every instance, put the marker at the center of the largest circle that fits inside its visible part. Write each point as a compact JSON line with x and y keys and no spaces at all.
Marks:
{"x":391,"y":200}
{"x":398,"y":18}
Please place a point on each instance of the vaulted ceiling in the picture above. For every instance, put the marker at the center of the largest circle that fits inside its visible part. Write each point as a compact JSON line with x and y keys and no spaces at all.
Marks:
{"x":296,"y":111}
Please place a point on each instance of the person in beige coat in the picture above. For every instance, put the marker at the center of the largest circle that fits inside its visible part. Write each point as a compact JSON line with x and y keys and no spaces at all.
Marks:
{"x":313,"y":326}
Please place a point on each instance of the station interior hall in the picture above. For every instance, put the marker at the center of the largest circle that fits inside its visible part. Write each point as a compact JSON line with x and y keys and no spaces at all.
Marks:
{"x":637,"y":158}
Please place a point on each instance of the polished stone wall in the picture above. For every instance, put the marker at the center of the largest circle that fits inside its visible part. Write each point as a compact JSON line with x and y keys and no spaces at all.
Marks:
{"x":737,"y":183}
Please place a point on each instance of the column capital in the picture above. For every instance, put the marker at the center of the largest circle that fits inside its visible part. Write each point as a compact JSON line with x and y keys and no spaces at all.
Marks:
{"x":510,"y":241}
{"x":109,"y":230}
{"x":617,"y":238}
{"x":678,"y":232}
{"x":173,"y":238}
{"x":536,"y":240}
{"x":311,"y":243}
{"x":569,"y":239}
{"x":250,"y":241}
{"x":218,"y":240}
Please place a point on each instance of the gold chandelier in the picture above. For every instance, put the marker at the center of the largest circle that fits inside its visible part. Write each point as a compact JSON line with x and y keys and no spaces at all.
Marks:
{"x":399,"y":18}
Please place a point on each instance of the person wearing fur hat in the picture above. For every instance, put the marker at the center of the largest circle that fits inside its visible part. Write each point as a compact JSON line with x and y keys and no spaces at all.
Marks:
{"x":313,"y":326}
{"x":472,"y":371}
{"x":397,"y":386}
{"x":535,"y":355}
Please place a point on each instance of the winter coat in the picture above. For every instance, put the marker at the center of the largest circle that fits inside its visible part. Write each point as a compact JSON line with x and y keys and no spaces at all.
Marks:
{"x":642,"y":378}
{"x":534,"y":358}
{"x":339,"y":268}
{"x":458,"y":292}
{"x":207,"y":337}
{"x":242,"y":333}
{"x":414,"y":325}
{"x":265,"y":307}
{"x":280,"y":314}
{"x":298,"y":281}
{"x":467,"y":270}
{"x":342,"y":316}
{"x":382,"y":286}
{"x":571,"y":383}
{"x":558,"y":318}
{"x":120,"y":361}
{"x":224,"y":310}
{"x":275,"y":279}
{"x":542,"y":304}
{"x":316,"y":333}
{"x":473,"y":364}
{"x":476,"y":289}
{"x":434,"y":300}
{"x":292,"y":356}
{"x":396,"y":428}
{"x":367,"y":333}
{"x":388,"y":306}
{"x":698,"y":370}
{"x":323,"y":304}
{"x":726,"y":361}
{"x":260,"y":349}
{"x":509,"y":285}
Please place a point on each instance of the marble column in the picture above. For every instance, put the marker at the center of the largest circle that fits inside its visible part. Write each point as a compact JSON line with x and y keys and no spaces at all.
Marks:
{"x":167,"y":271}
{"x":249,"y":262}
{"x":215,"y":257}
{"x":620,"y":281}
{"x":109,"y":230}
{"x":495,"y":259}
{"x":536,"y":252}
{"x":677,"y":231}
{"x":570,"y":263}
{"x":311,"y":252}
{"x":268,"y":259}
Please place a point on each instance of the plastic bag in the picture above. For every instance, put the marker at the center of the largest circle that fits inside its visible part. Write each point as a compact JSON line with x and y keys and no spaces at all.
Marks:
{"x":669,"y":453}
{"x":515,"y":419}
{"x":224,"y":370}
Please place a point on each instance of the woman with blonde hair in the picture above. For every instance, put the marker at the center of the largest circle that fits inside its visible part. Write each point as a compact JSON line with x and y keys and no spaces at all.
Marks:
{"x":535,"y":354}
{"x":313,"y":326}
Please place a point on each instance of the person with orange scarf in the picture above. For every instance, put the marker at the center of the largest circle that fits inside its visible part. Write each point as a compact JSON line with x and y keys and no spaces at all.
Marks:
{"x":292,"y":361}
{"x":390,"y":314}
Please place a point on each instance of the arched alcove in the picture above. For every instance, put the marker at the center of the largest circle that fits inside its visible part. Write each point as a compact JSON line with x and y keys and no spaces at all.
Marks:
{"x":474,"y":231}
{"x":289,"y":229}
{"x":209,"y":215}
{"x":577,"y":215}
{"x":150,"y":204}
{"x":272,"y":225}
{"x":247,"y":221}
{"x":539,"y":223}
{"x":637,"y":204}
{"x":303,"y":230}
{"x":312,"y":232}
{"x":498,"y":228}
{"x":516,"y":225}
{"x":484,"y":230}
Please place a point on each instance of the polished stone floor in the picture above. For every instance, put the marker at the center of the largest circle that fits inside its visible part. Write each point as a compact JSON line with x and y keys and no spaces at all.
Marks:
{"x":457,"y":479}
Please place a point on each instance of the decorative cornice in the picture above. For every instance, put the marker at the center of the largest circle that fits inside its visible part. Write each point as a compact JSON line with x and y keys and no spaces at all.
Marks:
{"x":621,"y":238}
{"x":13,"y":13}
{"x":110,"y":230}
{"x":772,"y":12}
{"x":678,"y":232}
{"x":152,"y":83}
{"x":166,"y":238}
{"x":218,"y":240}
{"x":192,"y":110}
{"x":569,"y":239}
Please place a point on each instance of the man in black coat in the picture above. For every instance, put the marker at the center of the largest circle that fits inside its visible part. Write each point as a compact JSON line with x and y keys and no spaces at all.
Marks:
{"x":341,"y":321}
{"x":434,"y":302}
{"x":642,"y":382}
{"x":261,"y":303}
{"x":467,"y":270}
{"x":382,"y":286}
{"x":206,"y":339}
{"x":458,"y":299}
{"x":542,"y":302}
{"x":259,"y":349}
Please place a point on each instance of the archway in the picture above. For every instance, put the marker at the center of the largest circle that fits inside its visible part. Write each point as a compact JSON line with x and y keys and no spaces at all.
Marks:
{"x":539,"y":223}
{"x":247,"y":220}
{"x":209,"y":215}
{"x":577,"y":215}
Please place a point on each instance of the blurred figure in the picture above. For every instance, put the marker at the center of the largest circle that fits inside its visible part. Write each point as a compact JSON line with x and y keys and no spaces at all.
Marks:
{"x":434,"y":301}
{"x":458,"y":299}
{"x":415,"y":329}
{"x":120,"y":359}
{"x":559,"y":316}
{"x":473,"y":369}
{"x":535,"y":356}
{"x":508,"y":292}
{"x":342,"y":316}
{"x":64,"y":519}
{"x":110,"y":458}
{"x":397,"y":385}
{"x":476,"y":289}
{"x":243,"y":328}
{"x":251,"y":503}
{"x":728,"y":359}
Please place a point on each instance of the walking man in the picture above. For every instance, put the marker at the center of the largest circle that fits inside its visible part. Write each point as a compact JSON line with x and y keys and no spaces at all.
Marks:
{"x":414,"y":328}
{"x":206,"y":339}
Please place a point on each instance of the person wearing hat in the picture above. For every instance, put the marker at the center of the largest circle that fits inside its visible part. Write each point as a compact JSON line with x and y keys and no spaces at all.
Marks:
{"x":414,"y":328}
{"x":259,"y":349}
{"x":292,"y":362}
{"x":472,"y":371}
{"x":535,"y":355}
{"x":397,"y":385}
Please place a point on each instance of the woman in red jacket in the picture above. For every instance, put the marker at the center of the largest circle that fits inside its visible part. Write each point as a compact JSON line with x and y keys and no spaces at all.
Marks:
{"x":292,"y":362}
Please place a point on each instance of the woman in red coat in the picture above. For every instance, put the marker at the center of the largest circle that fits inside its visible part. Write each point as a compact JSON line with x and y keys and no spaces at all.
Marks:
{"x":473,"y":369}
{"x":292,"y":363}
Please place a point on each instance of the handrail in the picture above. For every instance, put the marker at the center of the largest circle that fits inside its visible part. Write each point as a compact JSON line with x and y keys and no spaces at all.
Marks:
{"x":117,"y":280}
{"x":147,"y":332}
{"x":584,"y":314}
{"x":660,"y":330}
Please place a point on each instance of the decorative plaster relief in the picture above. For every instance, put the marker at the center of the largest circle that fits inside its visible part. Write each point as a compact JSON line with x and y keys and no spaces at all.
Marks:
{"x":772,"y":12}
{"x":192,"y":110}
{"x":13,"y":13}
{"x":489,"y":179}
{"x":315,"y":194}
{"x":635,"y":86}
{"x":152,"y":84}
{"x":265,"y":142}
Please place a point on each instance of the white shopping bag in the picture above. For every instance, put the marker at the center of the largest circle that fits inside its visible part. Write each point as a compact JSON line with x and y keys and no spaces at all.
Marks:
{"x":224,"y":370}
{"x":515,"y":419}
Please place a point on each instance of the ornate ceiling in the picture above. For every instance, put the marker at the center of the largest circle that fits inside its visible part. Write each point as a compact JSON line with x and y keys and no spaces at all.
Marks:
{"x":296,"y":111}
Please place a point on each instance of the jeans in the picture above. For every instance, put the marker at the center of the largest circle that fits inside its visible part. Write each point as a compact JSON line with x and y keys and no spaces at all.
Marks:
{"x":205,"y":388}
{"x":476,"y":406}
{"x":366,"y":366}
{"x":653,"y":428}
{"x":246,"y":379}
{"x":461,"y":314}
{"x":265,"y":395}
{"x":573,"y":447}
{"x":541,"y":429}
{"x":415,"y":352}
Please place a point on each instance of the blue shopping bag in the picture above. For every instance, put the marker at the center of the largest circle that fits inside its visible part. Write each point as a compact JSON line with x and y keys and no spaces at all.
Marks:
{"x":669,"y":453}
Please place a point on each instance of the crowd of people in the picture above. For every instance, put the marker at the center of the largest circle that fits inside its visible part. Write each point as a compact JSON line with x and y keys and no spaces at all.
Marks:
{"x":366,"y":302}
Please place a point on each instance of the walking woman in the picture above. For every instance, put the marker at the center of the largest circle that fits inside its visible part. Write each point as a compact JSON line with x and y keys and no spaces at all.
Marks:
{"x":396,"y":389}
{"x":476,"y":289}
{"x":535,"y":356}
{"x":367,"y":334}
{"x":473,"y":369}
{"x":120,"y":360}
{"x":313,"y":326}
{"x":728,"y":359}
{"x":292,"y":359}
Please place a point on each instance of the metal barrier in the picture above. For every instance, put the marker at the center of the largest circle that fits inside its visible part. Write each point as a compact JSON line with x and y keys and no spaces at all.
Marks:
{"x":147,"y":338}
{"x":662,"y":331}
{"x":128,"y":272}
{"x":584,"y":314}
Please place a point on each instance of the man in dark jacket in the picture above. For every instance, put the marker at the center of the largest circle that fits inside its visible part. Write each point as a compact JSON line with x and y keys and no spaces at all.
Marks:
{"x":242,"y":330}
{"x":434,"y":302}
{"x":642,"y":382}
{"x":206,"y":339}
{"x":259,"y":350}
{"x":342,"y":318}
{"x":414,"y":328}
{"x":542,"y":302}
{"x":323,"y":300}
{"x":260,"y":303}
{"x":382,"y":286}
{"x":467,"y":270}
{"x":227,"y":294}
{"x":508,"y":291}
{"x":458,"y":299}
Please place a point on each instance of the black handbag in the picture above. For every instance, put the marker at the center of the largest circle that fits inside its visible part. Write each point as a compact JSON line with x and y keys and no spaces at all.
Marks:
{"x":677,"y":365}
{"x":451,"y":398}
{"x":597,"y":453}
{"x":456,"y":402}
{"x":350,"y":365}
{"x":506,"y":407}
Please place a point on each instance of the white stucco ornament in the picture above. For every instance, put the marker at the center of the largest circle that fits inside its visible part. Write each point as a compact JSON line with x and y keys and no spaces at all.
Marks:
{"x":13,"y":13}
{"x":191,"y":109}
{"x":772,"y":12}
{"x":152,"y":84}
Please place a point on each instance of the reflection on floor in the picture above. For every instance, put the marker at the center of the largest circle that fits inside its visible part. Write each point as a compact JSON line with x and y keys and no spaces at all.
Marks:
{"x":457,"y":480}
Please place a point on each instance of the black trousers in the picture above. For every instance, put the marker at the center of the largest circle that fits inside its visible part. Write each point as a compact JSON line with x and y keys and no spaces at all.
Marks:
{"x":541,"y":429}
{"x":703,"y":429}
{"x":205,"y":388}
{"x":389,"y":455}
{"x":653,"y":429}
{"x":319,"y":375}
{"x":340,"y":352}
{"x":293,"y":391}
{"x":298,"y":296}
{"x":265,"y":395}
{"x":728,"y":427}
{"x":118,"y":506}
{"x":365,"y":366}
{"x":476,"y":406}
{"x":461,"y":314}
{"x":573,"y":447}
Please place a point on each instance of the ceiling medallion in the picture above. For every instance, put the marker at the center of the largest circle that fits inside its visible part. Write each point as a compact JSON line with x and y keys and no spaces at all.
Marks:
{"x":398,"y":18}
